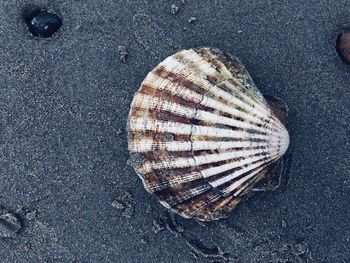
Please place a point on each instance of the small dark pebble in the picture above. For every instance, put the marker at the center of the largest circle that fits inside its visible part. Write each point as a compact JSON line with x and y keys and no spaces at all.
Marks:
{"x":9,"y":224}
{"x":343,"y":46}
{"x":123,"y":53}
{"x":42,"y":23}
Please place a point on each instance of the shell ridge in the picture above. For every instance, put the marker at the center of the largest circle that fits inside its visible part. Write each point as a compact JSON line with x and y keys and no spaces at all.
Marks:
{"x":253,"y":167}
{"x":247,"y":90}
{"x":234,"y":62}
{"x":194,"y":161}
{"x":209,"y":82}
{"x":210,"y":102}
{"x":221,"y":170}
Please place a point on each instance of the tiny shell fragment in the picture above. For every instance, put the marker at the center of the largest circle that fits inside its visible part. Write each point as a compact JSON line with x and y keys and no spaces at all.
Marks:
{"x":174,"y":9}
{"x":192,"y":19}
{"x":123,"y":53}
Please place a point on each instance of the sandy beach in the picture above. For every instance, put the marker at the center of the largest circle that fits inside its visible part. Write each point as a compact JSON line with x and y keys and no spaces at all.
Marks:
{"x":66,"y":191}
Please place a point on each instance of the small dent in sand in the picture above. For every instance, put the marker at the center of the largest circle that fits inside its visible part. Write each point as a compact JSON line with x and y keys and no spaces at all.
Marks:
{"x":10,"y":224}
{"x":124,"y":202}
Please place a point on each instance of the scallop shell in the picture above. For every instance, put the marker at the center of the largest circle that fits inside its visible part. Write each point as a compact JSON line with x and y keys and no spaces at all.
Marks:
{"x":200,"y":133}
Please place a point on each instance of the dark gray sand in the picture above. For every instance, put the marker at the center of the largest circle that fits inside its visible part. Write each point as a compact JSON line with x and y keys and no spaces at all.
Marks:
{"x":66,"y":191}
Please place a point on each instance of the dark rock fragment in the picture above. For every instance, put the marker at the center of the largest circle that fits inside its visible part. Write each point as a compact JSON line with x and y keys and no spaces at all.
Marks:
{"x":343,"y":46}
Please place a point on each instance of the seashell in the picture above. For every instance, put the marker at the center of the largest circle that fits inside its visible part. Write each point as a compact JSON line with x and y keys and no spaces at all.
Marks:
{"x":202,"y":134}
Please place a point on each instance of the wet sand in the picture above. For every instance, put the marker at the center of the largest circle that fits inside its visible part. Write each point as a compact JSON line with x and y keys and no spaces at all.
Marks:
{"x":66,"y":191}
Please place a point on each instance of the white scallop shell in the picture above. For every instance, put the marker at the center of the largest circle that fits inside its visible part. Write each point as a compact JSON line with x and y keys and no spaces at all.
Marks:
{"x":202,"y":133}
